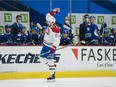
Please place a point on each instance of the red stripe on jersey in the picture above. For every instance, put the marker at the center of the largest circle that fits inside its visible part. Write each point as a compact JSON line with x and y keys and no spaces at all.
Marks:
{"x":51,"y":65}
{"x":53,"y":13}
{"x":56,"y":30}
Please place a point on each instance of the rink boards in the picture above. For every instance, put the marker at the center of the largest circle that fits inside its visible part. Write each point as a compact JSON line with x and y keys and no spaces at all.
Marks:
{"x":74,"y":61}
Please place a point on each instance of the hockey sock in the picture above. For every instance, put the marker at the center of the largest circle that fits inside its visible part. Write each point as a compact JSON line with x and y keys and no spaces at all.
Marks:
{"x":52,"y":69}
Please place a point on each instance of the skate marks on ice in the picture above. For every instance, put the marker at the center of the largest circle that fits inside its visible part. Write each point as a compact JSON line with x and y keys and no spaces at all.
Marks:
{"x":63,"y":82}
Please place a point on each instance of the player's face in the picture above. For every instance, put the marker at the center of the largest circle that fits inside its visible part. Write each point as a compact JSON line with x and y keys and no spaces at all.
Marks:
{"x":23,"y":31}
{"x":8,"y":30}
{"x":114,"y":32}
{"x":49,"y":24}
{"x":64,"y":35}
{"x":33,"y":32}
{"x":92,"y":20}
{"x":38,"y":33}
{"x":106,"y":35}
{"x":43,"y":31}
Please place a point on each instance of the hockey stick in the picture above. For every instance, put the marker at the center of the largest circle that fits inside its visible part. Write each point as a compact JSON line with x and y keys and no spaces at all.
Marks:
{"x":46,"y":52}
{"x":103,"y":26}
{"x":88,"y":43}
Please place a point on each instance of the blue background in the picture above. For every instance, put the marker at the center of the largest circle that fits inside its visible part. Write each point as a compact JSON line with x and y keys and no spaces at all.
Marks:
{"x":78,"y":6}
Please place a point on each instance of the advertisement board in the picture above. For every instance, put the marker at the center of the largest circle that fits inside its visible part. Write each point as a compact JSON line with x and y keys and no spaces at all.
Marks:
{"x":77,"y":19}
{"x":9,"y":17}
{"x":72,"y":58}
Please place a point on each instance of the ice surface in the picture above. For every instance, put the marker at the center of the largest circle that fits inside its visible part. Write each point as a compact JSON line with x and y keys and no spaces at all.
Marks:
{"x":61,"y":82}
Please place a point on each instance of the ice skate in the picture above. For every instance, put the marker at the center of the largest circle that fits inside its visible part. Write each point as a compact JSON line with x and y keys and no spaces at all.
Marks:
{"x":51,"y":78}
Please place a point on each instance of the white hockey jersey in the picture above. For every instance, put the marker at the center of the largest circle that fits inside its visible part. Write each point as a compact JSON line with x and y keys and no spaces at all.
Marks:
{"x":52,"y":34}
{"x":52,"y":37}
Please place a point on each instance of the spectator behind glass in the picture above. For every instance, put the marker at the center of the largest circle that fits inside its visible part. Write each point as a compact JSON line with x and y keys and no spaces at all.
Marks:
{"x":105,"y":39}
{"x":7,"y":37}
{"x":65,"y":40}
{"x":21,"y":38}
{"x":91,"y":36}
{"x":113,"y":36}
{"x":15,"y":29}
{"x":82,"y":29}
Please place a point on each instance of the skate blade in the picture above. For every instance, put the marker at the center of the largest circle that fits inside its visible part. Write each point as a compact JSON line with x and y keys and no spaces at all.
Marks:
{"x":53,"y":80}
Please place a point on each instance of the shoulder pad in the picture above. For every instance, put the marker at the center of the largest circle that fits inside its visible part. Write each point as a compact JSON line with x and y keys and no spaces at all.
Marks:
{"x":112,"y":36}
{"x":18,"y":34}
{"x":101,"y":36}
{"x":2,"y":34}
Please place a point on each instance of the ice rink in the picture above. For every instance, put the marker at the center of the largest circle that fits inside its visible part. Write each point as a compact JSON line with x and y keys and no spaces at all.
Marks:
{"x":61,"y":82}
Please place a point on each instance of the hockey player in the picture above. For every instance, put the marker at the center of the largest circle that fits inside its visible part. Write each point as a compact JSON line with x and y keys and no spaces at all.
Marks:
{"x":43,"y":33}
{"x":103,"y":26}
{"x":51,"y":42}
{"x":7,"y":37}
{"x":21,"y":38}
{"x":35,"y":36}
{"x":105,"y":39}
{"x":68,"y":27}
{"x":64,"y":40}
{"x":91,"y":35}
{"x":113,"y":36}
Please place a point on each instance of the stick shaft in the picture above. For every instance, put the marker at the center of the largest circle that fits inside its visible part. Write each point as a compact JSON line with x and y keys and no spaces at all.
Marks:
{"x":46,"y":52}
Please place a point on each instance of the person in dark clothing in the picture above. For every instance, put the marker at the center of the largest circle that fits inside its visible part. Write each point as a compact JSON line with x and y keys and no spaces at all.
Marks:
{"x":92,"y":32}
{"x":82,"y":29}
{"x":21,"y":38}
{"x":105,"y":39}
{"x":15,"y":27}
{"x":7,"y":37}
{"x":65,"y":40}
{"x":68,"y":27}
{"x":43,"y":33}
{"x":35,"y":34}
{"x":113,"y":36}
